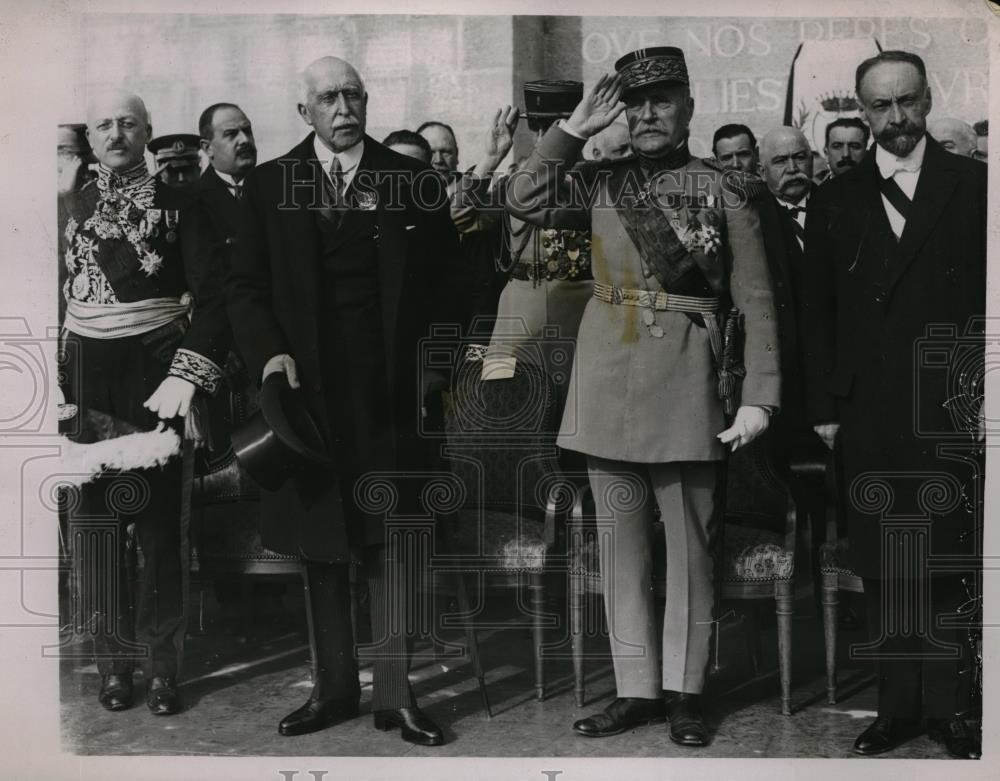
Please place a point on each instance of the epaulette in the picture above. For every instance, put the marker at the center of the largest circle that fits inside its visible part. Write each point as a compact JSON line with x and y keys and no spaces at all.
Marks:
{"x":748,"y":186}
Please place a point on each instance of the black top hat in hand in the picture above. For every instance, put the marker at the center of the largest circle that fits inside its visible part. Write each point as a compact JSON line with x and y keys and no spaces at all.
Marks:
{"x":281,"y":438}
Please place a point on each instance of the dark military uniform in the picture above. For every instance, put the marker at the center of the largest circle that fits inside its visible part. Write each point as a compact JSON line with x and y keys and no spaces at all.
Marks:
{"x":139,"y":311}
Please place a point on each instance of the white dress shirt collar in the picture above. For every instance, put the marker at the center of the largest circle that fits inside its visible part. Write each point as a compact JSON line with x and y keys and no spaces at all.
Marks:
{"x":888,"y":163}
{"x":349,"y":158}
{"x":227,"y":179}
{"x":801,"y":203}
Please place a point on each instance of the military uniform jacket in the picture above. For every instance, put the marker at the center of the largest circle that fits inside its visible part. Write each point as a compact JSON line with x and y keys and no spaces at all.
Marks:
{"x":638,"y":398}
{"x":141,"y":247}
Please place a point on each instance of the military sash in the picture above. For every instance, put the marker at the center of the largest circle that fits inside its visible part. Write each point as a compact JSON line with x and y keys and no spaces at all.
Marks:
{"x":681,"y":272}
{"x":663,"y":253}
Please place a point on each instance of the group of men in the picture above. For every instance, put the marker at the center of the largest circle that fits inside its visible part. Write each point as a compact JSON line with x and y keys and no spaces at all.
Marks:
{"x":297,"y":265}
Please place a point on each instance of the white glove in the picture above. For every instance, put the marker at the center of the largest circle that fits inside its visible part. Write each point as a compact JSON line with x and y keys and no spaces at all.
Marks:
{"x":749,"y":424}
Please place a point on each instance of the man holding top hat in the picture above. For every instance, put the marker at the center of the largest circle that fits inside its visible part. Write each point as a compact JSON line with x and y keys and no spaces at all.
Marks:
{"x":339,"y":269}
{"x":675,"y":243}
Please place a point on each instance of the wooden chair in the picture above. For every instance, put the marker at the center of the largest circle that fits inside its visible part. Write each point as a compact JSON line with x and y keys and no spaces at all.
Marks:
{"x":837,"y":576}
{"x":501,"y":445}
{"x":756,"y":557}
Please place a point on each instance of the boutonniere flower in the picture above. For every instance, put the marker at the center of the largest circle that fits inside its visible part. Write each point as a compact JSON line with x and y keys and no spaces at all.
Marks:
{"x":151,"y":263}
{"x":698,"y":236}
{"x":366,"y":201}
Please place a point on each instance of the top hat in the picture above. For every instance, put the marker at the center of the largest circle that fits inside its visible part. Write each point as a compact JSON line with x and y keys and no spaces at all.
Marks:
{"x":547,"y":100}
{"x":655,"y":65}
{"x":280,"y":438}
{"x":178,"y":150}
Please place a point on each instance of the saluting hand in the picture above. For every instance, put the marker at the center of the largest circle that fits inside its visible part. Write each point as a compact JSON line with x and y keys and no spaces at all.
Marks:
{"x":599,"y":107}
{"x":500,"y":134}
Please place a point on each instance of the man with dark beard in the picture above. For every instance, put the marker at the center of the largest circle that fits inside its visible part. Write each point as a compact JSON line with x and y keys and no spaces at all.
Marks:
{"x":846,"y":142}
{"x":893,"y":247}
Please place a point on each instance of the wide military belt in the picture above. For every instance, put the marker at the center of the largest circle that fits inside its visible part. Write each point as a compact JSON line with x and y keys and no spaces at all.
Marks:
{"x":113,"y":321}
{"x":656,"y":299}
{"x":660,"y":300}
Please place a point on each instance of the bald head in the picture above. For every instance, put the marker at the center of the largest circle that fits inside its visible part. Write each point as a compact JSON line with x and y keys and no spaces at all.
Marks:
{"x":787,"y":163}
{"x":333,"y":102}
{"x":612,"y":143}
{"x":118,"y":128}
{"x":954,"y":135}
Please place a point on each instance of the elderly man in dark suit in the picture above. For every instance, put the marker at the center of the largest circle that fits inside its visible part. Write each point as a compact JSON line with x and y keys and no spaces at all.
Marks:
{"x":787,"y":165}
{"x":339,"y":270}
{"x":892,"y":247}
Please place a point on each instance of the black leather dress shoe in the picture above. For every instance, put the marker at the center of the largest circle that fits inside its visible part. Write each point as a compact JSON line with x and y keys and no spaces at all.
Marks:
{"x":318,"y":714}
{"x":415,"y":725}
{"x":956,"y":736}
{"x":885,"y":734}
{"x":622,"y":714}
{"x":116,"y":691}
{"x":161,"y":697}
{"x":687,"y":724}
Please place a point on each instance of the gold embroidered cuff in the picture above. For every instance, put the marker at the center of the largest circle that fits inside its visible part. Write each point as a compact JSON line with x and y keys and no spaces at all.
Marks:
{"x":196,"y":368}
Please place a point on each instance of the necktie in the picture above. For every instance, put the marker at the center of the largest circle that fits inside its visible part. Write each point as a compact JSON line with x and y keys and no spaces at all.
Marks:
{"x":797,"y":229}
{"x":237,"y":190}
{"x":337,"y":179}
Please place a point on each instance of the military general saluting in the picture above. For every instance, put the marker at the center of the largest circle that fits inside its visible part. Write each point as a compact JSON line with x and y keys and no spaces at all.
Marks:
{"x":676,"y":244}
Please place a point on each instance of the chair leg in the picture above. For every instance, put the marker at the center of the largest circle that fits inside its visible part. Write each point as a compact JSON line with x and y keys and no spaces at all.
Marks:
{"x":751,"y":635}
{"x":576,"y":598}
{"x":830,"y":601}
{"x":462,"y":597}
{"x":784,"y":611}
{"x":246,"y":594}
{"x":538,"y":635}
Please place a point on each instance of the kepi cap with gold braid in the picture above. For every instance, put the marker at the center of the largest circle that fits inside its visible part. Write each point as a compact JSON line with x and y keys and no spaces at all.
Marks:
{"x":655,"y":65}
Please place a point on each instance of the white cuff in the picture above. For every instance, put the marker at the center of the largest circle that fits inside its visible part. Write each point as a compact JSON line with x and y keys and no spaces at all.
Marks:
{"x":564,"y":124}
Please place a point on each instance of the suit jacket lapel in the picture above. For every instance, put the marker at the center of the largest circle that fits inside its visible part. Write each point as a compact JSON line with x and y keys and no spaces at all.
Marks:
{"x":221,"y":198}
{"x":303,"y":188}
{"x":935,"y":186}
{"x":776,"y":239}
{"x":391,"y":242}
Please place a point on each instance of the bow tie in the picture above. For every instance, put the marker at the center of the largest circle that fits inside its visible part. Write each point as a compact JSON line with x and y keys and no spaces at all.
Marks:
{"x":893,"y":168}
{"x":793,"y":210}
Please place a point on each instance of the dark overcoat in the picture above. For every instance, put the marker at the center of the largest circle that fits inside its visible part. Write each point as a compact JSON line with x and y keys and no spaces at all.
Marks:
{"x":892,"y":352}
{"x":274,"y":299}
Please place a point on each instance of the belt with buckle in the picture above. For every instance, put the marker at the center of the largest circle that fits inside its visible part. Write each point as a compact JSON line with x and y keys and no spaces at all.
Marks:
{"x":658,"y":300}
